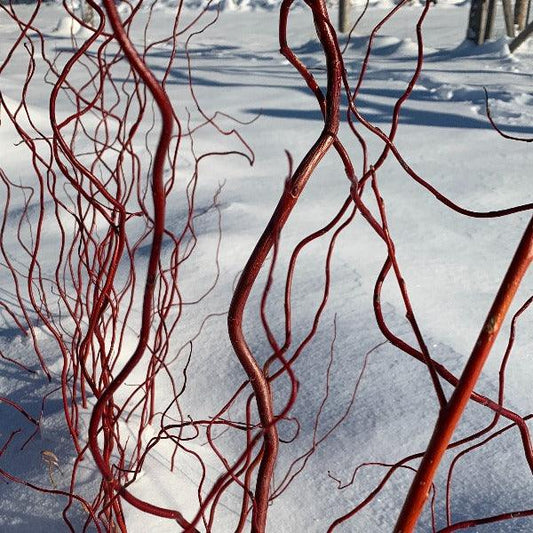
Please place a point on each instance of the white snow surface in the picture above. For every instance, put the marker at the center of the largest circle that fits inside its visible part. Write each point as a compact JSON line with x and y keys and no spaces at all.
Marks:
{"x":452,"y":266}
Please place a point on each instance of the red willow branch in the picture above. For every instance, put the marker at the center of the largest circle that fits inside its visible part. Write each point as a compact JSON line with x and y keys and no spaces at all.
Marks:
{"x":497,"y":128}
{"x":451,"y":413}
{"x":158,"y":195}
{"x":293,"y":188}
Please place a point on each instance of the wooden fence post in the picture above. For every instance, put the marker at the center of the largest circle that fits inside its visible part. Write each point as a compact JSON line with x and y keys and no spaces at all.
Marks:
{"x":521,"y":8}
{"x":344,"y":16}
{"x":477,"y":21}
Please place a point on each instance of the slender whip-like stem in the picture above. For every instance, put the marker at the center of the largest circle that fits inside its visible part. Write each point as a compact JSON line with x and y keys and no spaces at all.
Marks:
{"x":451,"y":414}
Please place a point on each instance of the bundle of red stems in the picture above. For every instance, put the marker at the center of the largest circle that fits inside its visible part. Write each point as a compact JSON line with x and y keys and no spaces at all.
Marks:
{"x":117,"y":253}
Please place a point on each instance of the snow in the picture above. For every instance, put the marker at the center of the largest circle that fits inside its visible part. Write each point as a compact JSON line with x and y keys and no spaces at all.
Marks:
{"x":452,"y":266}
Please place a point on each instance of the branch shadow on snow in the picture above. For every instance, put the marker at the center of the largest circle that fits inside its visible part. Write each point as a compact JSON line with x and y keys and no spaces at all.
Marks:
{"x":380,"y":113}
{"x":22,"y":509}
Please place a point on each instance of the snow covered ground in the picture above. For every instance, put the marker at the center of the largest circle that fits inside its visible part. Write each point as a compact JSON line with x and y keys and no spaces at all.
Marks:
{"x":452,"y":266}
